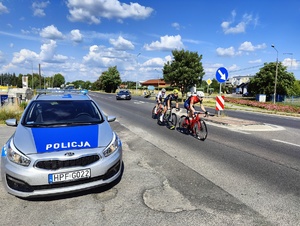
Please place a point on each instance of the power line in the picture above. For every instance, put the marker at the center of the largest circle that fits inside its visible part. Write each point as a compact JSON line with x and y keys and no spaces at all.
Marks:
{"x":244,"y":69}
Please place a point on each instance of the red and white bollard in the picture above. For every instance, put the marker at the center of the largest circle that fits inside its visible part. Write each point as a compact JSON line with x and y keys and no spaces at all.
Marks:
{"x":220,"y":104}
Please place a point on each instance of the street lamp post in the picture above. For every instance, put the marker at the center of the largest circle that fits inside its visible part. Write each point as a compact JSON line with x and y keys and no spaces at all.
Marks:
{"x":276,"y":73}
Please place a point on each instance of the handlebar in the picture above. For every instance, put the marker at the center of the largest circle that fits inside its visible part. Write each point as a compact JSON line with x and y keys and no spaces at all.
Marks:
{"x":207,"y":114}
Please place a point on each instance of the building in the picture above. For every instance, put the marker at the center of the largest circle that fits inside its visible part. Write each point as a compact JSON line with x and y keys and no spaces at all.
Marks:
{"x":155,"y":82}
{"x":239,"y":84}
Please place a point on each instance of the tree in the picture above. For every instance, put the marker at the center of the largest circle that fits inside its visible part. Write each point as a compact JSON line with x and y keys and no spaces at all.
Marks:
{"x":296,"y":89}
{"x":109,"y":80}
{"x":264,"y":81}
{"x":58,"y":80}
{"x":185,"y":70}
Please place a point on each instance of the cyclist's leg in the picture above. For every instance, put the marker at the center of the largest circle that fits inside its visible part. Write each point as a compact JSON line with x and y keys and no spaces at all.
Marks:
{"x":163,"y":112}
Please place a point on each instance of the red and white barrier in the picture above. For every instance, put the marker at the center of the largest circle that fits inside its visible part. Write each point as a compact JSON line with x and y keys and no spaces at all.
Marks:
{"x":220,"y":103}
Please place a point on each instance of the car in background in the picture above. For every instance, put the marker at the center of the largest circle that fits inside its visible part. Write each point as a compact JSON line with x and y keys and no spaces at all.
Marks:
{"x":123,"y":95}
{"x":63,"y":143}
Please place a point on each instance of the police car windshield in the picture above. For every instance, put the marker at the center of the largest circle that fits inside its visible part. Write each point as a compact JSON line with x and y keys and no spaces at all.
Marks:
{"x":61,"y":112}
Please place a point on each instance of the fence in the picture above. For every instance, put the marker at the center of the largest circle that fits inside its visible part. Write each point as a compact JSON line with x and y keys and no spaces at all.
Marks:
{"x":294,"y":100}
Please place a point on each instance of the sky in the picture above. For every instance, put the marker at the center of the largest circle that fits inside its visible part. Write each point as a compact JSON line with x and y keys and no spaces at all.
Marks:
{"x":80,"y":39}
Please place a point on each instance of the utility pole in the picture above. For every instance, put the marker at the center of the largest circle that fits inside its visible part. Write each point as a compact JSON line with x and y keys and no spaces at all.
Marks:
{"x":276,"y":73}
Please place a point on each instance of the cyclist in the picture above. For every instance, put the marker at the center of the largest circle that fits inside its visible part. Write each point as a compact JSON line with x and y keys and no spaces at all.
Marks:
{"x":192,"y":100}
{"x":168,"y":102}
{"x":161,"y":94}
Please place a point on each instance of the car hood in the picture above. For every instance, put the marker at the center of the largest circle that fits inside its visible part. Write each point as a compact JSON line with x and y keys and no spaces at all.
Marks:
{"x":49,"y":139}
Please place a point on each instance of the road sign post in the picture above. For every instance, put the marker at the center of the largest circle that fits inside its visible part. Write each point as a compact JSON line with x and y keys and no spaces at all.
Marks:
{"x":221,"y":76}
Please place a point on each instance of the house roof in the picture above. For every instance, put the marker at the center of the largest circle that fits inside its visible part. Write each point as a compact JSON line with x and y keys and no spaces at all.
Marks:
{"x":161,"y":82}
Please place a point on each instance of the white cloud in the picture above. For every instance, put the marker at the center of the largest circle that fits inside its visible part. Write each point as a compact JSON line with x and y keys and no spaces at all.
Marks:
{"x":23,"y":55}
{"x":48,"y":50}
{"x":38,"y":8}
{"x":247,"y":46}
{"x":290,"y":62}
{"x":176,"y":26}
{"x":166,"y":43}
{"x":255,"y":61}
{"x":154,"y":62}
{"x":76,"y":36}
{"x":233,"y":67}
{"x":226,"y":52}
{"x":3,"y":9}
{"x":230,"y":28}
{"x":51,"y":32}
{"x":92,"y":11}
{"x":121,"y":43}
{"x":244,"y":48}
{"x":103,"y":57}
{"x":47,"y":53}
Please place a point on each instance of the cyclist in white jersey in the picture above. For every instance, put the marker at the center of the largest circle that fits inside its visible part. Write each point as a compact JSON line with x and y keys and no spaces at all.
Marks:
{"x":161,"y":94}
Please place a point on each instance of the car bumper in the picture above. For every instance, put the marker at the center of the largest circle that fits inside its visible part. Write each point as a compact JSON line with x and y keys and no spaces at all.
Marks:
{"x":123,"y":98}
{"x":26,"y":182}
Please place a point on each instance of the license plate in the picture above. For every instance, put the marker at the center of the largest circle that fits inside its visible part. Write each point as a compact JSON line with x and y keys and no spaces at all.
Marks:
{"x":69,"y":176}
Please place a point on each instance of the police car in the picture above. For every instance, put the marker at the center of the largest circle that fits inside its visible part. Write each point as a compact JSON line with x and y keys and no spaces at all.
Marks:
{"x":63,"y":143}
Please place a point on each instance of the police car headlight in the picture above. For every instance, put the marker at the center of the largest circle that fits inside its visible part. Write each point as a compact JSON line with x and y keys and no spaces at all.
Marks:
{"x":114,"y":145}
{"x":16,"y":156}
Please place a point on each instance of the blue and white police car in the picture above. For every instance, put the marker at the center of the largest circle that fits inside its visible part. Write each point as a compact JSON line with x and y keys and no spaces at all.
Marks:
{"x":63,"y":143}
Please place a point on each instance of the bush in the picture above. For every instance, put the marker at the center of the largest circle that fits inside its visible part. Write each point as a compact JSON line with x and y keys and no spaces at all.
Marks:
{"x":10,"y":111}
{"x":278,"y":107}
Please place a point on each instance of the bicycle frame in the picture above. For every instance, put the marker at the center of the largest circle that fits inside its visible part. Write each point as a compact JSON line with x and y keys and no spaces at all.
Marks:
{"x":169,"y":119}
{"x":160,"y":108}
{"x":196,"y":126}
{"x":194,"y":120}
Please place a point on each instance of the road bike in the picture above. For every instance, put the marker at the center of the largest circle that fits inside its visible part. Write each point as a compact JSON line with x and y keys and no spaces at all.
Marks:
{"x":160,"y":108}
{"x":169,"y":119}
{"x":195,"y":126}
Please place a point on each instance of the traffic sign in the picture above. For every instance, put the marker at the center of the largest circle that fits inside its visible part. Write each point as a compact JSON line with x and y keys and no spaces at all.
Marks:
{"x":208,"y":81}
{"x":222,"y":74}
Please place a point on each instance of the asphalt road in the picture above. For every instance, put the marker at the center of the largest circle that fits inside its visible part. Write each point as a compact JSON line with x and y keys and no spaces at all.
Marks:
{"x":240,"y":175}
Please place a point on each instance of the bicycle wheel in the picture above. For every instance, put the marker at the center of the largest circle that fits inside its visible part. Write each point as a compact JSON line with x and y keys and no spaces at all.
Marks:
{"x":172,"y":121}
{"x":182,"y":125}
{"x":200,"y":129}
{"x":153,"y":114}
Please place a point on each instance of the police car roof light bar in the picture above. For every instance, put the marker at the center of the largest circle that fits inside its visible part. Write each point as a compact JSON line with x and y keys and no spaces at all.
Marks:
{"x":57,"y":91}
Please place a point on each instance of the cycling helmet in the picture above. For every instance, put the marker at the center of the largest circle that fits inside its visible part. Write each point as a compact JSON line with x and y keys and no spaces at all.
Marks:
{"x":175,"y":91}
{"x":200,"y":94}
{"x":163,"y":90}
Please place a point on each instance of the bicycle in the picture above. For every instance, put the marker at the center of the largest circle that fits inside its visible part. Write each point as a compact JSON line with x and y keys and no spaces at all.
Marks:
{"x":158,"y":111}
{"x":169,"y":119}
{"x":197,"y":126}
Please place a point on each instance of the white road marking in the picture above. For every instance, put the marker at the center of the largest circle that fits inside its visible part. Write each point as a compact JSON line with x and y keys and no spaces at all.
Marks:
{"x":281,"y":141}
{"x":139,"y":102}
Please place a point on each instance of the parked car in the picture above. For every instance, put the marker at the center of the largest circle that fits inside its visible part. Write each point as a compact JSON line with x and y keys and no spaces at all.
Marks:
{"x":246,"y":94}
{"x":63,"y":143}
{"x":123,"y":95}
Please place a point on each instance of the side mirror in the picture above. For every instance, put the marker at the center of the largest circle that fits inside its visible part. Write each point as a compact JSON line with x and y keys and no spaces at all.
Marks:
{"x":11,"y":122}
{"x":111,"y":118}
